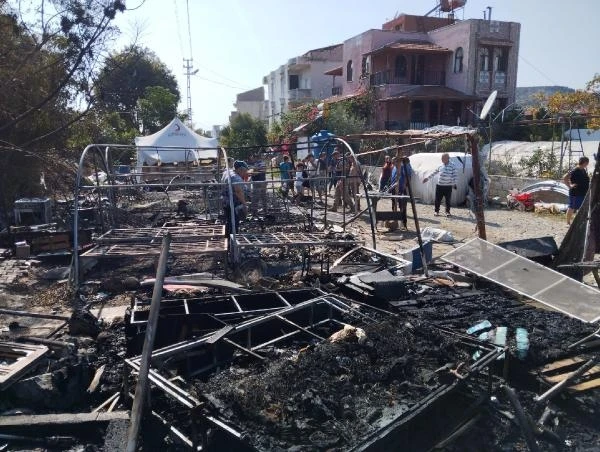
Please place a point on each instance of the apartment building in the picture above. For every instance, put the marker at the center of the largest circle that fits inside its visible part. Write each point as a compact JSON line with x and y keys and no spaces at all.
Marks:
{"x":251,"y":102}
{"x":301,"y":80}
{"x":431,"y":70}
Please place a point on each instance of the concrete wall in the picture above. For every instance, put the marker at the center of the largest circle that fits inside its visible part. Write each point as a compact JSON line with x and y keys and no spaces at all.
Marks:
{"x":452,"y":37}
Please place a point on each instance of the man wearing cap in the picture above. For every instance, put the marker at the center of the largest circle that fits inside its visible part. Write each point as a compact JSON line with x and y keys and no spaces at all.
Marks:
{"x":237,"y":177}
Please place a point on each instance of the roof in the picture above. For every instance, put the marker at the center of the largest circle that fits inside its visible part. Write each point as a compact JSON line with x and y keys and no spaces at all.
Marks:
{"x":335,"y":71}
{"x":323,"y":49}
{"x":430,"y":92}
{"x":257,"y":94}
{"x":412,"y":46}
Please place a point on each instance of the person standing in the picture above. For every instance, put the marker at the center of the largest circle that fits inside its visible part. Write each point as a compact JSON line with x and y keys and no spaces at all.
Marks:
{"x":237,"y":176}
{"x":286,"y":169}
{"x":310,"y":167}
{"x":446,"y":182}
{"x":321,"y":175}
{"x":386,"y":173}
{"x":578,"y":182}
{"x":259,"y":184}
{"x":342,"y":194}
{"x":333,"y":163}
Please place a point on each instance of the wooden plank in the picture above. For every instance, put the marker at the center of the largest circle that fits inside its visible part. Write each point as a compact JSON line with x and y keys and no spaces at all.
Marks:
{"x":561,"y":363}
{"x":560,"y":377}
{"x":586,"y":385}
{"x":61,"y":419}
{"x":25,"y":356}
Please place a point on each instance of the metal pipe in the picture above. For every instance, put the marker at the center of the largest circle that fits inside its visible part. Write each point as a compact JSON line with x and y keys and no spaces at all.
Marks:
{"x":557,"y":388}
{"x":416,"y":217}
{"x":369,"y":205}
{"x":522,"y":418}
{"x":142,"y":382}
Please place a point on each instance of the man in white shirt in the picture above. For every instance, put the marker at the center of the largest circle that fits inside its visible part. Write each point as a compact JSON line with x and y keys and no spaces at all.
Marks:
{"x":446,"y":182}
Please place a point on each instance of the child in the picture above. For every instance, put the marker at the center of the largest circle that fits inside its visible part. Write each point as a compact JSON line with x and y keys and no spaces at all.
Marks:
{"x":301,"y":180}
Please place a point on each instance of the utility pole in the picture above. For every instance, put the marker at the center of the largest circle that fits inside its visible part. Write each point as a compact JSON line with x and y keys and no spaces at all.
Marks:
{"x":189,"y":71}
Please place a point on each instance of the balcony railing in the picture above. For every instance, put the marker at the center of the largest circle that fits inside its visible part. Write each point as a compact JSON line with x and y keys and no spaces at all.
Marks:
{"x":500,"y":78}
{"x":425,"y":78}
{"x":484,"y":77}
{"x":336,"y":91}
{"x":300,"y":94}
{"x":406,"y":125}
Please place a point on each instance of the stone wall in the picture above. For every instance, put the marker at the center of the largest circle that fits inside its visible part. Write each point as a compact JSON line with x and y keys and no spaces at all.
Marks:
{"x":500,"y":185}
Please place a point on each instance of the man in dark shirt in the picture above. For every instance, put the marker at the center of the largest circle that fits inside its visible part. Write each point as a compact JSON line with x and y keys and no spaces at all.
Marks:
{"x":578,"y":182}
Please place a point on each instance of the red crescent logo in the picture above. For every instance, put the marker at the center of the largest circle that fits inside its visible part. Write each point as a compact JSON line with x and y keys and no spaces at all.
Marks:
{"x":177,"y":128}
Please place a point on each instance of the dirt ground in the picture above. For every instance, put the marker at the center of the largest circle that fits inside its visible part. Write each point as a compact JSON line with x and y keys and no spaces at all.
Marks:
{"x":501,"y":225}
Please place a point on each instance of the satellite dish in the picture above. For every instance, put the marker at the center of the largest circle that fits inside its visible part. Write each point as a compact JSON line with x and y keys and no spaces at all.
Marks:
{"x":488,"y":105}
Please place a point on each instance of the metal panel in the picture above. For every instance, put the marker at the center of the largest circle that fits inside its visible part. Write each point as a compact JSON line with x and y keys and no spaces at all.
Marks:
{"x":528,"y":278}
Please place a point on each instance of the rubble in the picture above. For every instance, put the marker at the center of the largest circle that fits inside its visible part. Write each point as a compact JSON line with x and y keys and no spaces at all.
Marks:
{"x":292,"y":335}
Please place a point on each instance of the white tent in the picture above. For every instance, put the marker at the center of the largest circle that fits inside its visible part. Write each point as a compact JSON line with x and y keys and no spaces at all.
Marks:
{"x":175,"y":143}
{"x":425,"y":164}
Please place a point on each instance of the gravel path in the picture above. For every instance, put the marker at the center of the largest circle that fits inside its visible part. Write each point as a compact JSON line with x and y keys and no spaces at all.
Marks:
{"x":501,"y":225}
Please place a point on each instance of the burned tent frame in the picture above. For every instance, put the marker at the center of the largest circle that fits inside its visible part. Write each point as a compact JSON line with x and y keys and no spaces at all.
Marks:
{"x":212,"y":351}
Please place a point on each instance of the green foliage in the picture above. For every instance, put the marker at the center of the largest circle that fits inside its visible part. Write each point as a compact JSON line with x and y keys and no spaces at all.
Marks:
{"x":47,"y":64}
{"x":156,"y":108}
{"x":243,"y":131}
{"x":341,"y":121}
{"x":543,"y":163}
{"x":281,"y":131}
{"x":125,"y":78}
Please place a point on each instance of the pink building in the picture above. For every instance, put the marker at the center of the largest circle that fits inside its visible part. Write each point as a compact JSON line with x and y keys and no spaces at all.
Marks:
{"x":431,"y":70}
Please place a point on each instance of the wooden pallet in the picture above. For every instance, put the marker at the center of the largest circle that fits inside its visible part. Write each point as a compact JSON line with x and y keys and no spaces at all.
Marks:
{"x":19,"y":358}
{"x":558,"y":370}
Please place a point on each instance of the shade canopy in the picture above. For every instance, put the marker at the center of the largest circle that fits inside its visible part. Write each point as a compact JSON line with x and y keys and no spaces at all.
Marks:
{"x":175,"y":143}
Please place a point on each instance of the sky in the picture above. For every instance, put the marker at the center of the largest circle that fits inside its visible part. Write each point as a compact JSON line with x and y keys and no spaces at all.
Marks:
{"x":234,"y":43}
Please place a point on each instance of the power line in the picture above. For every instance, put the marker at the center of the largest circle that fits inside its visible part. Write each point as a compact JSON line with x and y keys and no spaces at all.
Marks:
{"x":187,"y":3}
{"x":538,"y":71}
{"x":220,"y":83}
{"x":178,"y":29}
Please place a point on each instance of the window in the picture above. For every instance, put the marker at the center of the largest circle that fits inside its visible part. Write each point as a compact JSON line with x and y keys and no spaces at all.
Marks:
{"x":458,"y":60}
{"x":500,"y":59}
{"x":400,"y":66}
{"x":366,"y":65}
{"x":349,"y":71}
{"x":484,"y":59}
{"x":294,"y":81}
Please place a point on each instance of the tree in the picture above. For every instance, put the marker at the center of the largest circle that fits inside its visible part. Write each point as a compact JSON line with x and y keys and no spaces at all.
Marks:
{"x":243,"y":131}
{"x":125,"y":79}
{"x":156,"y":108}
{"x":585,"y":102}
{"x":49,"y":51}
{"x":341,"y":121}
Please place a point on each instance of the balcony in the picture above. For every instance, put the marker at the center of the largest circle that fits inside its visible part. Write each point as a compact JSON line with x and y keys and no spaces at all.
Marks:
{"x":484,"y":77}
{"x":298,"y":63}
{"x":406,"y":125}
{"x":425,"y":78}
{"x":299,"y":94}
{"x":336,"y":91}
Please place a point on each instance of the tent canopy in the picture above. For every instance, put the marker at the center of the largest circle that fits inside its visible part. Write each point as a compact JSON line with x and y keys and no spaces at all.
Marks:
{"x":174,"y":143}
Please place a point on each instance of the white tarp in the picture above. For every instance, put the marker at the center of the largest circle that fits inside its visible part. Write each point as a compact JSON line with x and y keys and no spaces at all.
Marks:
{"x":176,"y":143}
{"x":424,"y":164}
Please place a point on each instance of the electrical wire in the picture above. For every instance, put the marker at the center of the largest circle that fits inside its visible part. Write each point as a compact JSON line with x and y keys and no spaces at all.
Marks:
{"x":538,"y":71}
{"x":178,"y":29}
{"x":219,"y":83}
{"x":187,"y":4}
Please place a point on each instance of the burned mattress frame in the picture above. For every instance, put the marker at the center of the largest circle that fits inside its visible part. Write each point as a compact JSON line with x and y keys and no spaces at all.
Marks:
{"x":249,"y":333}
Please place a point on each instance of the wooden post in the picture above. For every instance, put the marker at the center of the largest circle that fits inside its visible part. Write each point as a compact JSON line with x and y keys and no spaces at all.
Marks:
{"x":142,"y":382}
{"x":477,"y":186}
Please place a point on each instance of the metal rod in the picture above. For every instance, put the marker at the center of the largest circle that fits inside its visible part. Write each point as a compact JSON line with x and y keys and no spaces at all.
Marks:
{"x":558,"y":387}
{"x":142,"y":382}
{"x":416,"y":218}
{"x":36,"y":315}
{"x":522,"y":418}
